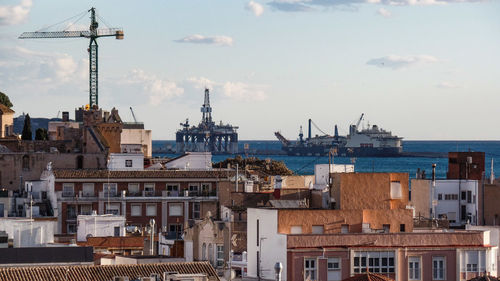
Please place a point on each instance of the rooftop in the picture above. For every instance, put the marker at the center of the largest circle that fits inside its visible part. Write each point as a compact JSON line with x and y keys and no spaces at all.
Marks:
{"x":114,"y":242}
{"x":393,"y":240}
{"x":103,"y":272}
{"x":104,"y":174}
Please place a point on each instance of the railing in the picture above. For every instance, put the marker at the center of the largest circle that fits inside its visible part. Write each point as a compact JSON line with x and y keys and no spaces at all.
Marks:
{"x":187,"y":193}
{"x":86,"y":194}
{"x":68,"y":194}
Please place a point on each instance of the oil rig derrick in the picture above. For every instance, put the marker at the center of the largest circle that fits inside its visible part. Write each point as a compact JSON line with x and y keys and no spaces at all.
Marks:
{"x":207,"y":136}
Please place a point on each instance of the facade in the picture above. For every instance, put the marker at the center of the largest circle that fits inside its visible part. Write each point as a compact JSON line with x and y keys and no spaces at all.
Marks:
{"x":6,"y":121}
{"x":267,"y":230}
{"x":126,"y":162}
{"x":454,"y":199}
{"x":491,"y":206}
{"x":25,"y":232}
{"x":99,"y":226}
{"x":191,"y":161}
{"x":135,"y":139}
{"x":170,"y":197}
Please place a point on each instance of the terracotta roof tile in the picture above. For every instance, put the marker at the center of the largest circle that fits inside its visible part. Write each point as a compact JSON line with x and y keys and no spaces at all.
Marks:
{"x":368,"y":277}
{"x":102,"y":174}
{"x":114,"y":242}
{"x":103,"y":272}
{"x":5,"y":109}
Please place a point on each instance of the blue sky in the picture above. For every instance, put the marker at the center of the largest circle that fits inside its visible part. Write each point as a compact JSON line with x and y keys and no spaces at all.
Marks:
{"x":423,"y":69}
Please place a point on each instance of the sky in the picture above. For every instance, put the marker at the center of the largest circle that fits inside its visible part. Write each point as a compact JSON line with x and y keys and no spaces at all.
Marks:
{"x":423,"y":69}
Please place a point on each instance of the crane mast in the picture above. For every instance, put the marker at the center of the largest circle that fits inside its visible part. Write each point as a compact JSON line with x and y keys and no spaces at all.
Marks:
{"x":93,"y":33}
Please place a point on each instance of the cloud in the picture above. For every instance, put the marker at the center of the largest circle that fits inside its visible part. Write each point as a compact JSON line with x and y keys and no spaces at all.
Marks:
{"x":310,"y":5}
{"x":385,"y":13}
{"x":155,"y":88}
{"x":213,"y":40}
{"x":243,"y":92}
{"x":256,"y":8}
{"x":16,"y":14}
{"x":447,"y":85}
{"x":398,"y":62}
{"x":239,"y":91}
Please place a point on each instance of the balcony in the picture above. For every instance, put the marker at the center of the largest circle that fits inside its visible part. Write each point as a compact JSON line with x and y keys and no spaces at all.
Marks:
{"x":67,"y":193}
{"x":148,"y":193}
{"x":86,"y":194}
{"x":104,"y":194}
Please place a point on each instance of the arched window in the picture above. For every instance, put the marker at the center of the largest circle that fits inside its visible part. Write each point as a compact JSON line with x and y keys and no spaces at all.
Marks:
{"x":204,"y":252}
{"x":26,"y":162}
{"x":211,"y":253}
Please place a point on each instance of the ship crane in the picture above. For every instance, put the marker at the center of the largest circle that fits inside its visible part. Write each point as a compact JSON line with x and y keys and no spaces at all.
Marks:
{"x":93,"y":33}
{"x":133,"y":115}
{"x":360,"y":119}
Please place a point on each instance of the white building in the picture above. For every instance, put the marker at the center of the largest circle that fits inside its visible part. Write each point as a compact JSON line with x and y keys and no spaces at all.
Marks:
{"x":135,"y":139}
{"x":29,"y":232}
{"x":322,"y":173}
{"x":265,"y":246}
{"x":126,"y":162}
{"x":191,"y":161}
{"x":100,"y":226}
{"x":457,"y":200}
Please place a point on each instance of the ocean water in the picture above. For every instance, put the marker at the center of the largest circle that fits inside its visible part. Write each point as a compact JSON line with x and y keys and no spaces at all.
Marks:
{"x":304,"y":165}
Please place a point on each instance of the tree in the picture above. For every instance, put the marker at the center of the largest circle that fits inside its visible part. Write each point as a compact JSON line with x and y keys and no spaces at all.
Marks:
{"x":4,"y":99}
{"x":27,"y":135}
{"x":41,"y":134}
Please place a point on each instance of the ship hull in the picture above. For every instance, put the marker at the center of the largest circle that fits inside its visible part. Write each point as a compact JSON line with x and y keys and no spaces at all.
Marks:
{"x":344,"y":151}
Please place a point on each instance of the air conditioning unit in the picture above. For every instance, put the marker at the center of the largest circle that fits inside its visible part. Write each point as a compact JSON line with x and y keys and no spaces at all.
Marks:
{"x":120,"y":278}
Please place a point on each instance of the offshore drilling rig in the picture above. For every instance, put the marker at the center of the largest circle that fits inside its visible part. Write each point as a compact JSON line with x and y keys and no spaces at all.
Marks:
{"x":207,"y":136}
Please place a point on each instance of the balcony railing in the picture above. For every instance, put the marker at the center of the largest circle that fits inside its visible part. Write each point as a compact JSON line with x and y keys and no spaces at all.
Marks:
{"x":187,"y":193}
{"x":68,"y":194}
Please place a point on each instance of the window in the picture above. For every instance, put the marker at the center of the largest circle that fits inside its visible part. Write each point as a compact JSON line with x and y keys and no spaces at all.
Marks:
{"x":206,"y":189}
{"x":149,"y":189}
{"x":396,"y":192}
{"x":151,"y":210}
{"x":196,"y":210}
{"x":26,"y":163}
{"x":469,"y":196}
{"x":402,"y":227}
{"x":175,"y":209}
{"x":334,"y":272}
{"x":377,"y":262}
{"x":175,"y":229}
{"x":86,"y":210}
{"x":68,"y":190}
{"x":193,"y":189}
{"x":310,"y":269}
{"x":438,"y":268}
{"x":344,"y":228}
{"x":464,"y":196}
{"x":136,"y":210}
{"x":109,"y":189}
{"x":71,"y":228}
{"x":88,"y":190}
{"x":128,"y":163}
{"x":133,"y":189}
{"x":173,"y":190}
{"x":317,"y":229}
{"x":440,"y":196}
{"x":258,"y":234}
{"x":1,"y":210}
{"x":117,"y":231}
{"x":387,"y":228}
{"x":211,"y":253}
{"x":220,"y":255}
{"x":473,"y":261}
{"x":296,"y":229}
{"x":204,"y":252}
{"x":463,"y":212}
{"x":113,"y":208}
{"x":70,"y":212}
{"x":414,"y":268}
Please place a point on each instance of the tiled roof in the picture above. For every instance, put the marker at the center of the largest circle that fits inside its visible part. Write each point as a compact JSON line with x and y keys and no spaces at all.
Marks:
{"x":103,"y":272}
{"x":368,"y":277}
{"x":125,"y":242}
{"x":5,"y":109}
{"x":103,"y":174}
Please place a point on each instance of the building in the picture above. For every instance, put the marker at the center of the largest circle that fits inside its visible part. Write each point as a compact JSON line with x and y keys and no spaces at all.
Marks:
{"x":126,"y":162}
{"x":6,"y":121}
{"x":491,"y":206}
{"x":25,"y":232}
{"x":31,"y":257}
{"x":191,"y":161}
{"x":142,"y":259}
{"x":268,"y":229}
{"x":99,"y":226}
{"x":135,"y":139}
{"x":121,"y":245}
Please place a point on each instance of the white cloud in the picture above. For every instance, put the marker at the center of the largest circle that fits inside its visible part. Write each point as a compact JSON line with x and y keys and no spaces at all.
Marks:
{"x":239,"y":91}
{"x":398,"y":62}
{"x":243,"y":92}
{"x":16,"y":14}
{"x":256,"y":8}
{"x":213,"y":40}
{"x":309,"y":5}
{"x":385,"y":13}
{"x":447,"y":85}
{"x":157,"y":89}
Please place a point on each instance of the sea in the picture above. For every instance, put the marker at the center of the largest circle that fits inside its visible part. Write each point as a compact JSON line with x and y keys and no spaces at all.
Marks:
{"x":304,"y":165}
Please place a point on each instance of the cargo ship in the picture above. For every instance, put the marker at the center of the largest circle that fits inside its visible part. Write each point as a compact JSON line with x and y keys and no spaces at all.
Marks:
{"x":372,"y":141}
